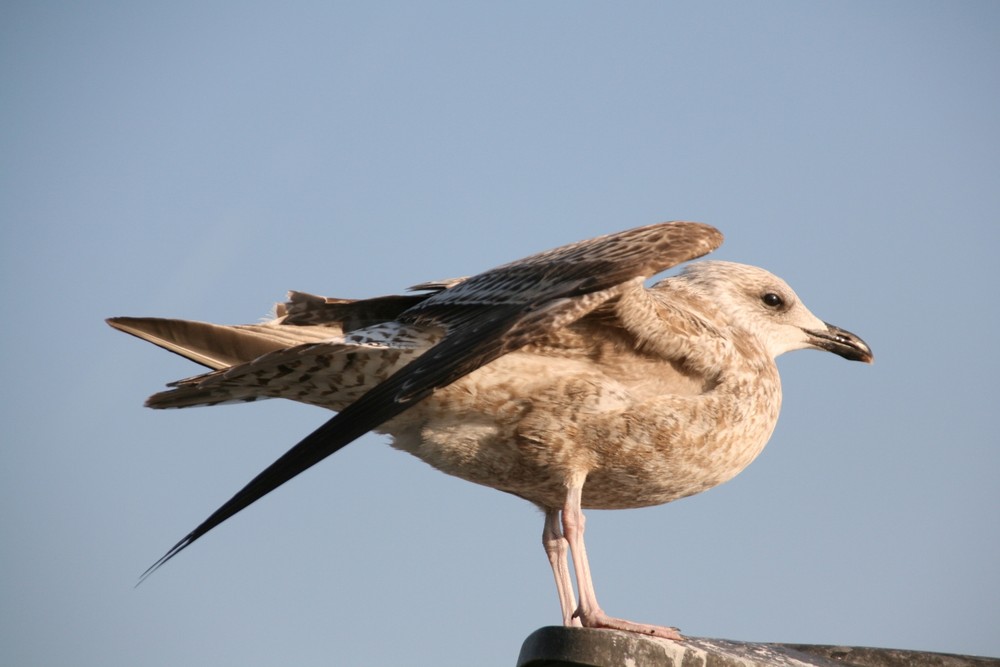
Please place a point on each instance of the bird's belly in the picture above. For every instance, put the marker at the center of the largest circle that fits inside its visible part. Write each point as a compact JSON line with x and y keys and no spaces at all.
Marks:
{"x":541,"y":472}
{"x":536,"y":438}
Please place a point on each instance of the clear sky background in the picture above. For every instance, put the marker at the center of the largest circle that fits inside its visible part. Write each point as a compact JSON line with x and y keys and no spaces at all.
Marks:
{"x":197,"y":159}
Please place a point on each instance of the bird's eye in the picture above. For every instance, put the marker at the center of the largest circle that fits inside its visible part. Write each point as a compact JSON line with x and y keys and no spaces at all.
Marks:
{"x":772,"y":300}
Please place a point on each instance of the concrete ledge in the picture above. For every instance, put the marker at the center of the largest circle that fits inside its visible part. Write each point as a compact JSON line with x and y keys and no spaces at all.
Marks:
{"x":580,"y":647}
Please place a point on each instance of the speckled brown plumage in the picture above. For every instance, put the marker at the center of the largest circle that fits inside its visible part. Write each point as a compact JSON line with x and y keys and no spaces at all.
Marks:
{"x":559,"y":378}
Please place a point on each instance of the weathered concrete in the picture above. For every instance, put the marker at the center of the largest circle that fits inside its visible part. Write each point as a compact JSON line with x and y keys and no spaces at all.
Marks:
{"x":579,"y":647}
{"x":860,"y":656}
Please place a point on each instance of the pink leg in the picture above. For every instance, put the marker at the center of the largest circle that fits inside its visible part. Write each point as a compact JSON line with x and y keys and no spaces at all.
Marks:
{"x":589,"y":612}
{"x":557,"y":548}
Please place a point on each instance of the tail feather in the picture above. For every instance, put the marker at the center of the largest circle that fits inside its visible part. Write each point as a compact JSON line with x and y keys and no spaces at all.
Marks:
{"x":219,"y":346}
{"x":331,"y":374}
{"x":281,"y":358}
{"x":193,"y":395}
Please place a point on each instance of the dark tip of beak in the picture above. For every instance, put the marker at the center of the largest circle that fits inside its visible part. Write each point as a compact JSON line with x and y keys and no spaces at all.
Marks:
{"x":843,"y":343}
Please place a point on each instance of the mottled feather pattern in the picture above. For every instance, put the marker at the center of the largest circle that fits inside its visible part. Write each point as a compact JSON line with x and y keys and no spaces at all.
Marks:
{"x":331,"y":374}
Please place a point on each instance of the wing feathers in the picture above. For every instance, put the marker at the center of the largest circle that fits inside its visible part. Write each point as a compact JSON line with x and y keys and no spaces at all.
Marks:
{"x":484,"y":317}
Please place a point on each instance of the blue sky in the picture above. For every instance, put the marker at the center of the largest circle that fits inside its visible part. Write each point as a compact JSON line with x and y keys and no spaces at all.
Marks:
{"x":197,"y":160}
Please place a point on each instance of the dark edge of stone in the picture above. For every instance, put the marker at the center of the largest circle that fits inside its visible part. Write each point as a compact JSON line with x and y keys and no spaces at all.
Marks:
{"x":557,"y":646}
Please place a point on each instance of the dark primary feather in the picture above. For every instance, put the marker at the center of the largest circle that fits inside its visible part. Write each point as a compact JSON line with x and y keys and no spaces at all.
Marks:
{"x":486,"y":316}
{"x":306,"y":309}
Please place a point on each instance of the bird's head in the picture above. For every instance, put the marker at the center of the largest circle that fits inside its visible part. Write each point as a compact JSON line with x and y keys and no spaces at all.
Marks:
{"x":760,"y":302}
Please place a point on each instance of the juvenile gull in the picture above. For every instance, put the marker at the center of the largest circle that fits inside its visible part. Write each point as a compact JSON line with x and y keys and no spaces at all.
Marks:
{"x":559,"y":378}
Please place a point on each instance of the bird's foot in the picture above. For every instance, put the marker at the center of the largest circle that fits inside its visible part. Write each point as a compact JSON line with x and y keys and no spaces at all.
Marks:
{"x":598,"y":619}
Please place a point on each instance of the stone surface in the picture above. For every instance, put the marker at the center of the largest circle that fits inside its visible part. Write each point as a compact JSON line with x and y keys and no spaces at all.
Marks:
{"x":860,"y":656}
{"x":580,"y":647}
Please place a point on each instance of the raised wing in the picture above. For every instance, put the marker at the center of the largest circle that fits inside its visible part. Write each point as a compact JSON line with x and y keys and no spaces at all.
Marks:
{"x":485,"y":317}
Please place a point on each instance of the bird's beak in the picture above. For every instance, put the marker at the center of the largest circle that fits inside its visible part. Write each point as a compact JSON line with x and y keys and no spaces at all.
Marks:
{"x":841,"y":342}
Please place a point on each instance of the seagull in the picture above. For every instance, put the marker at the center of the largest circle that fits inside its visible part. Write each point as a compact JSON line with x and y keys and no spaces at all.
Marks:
{"x":560,"y":378}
